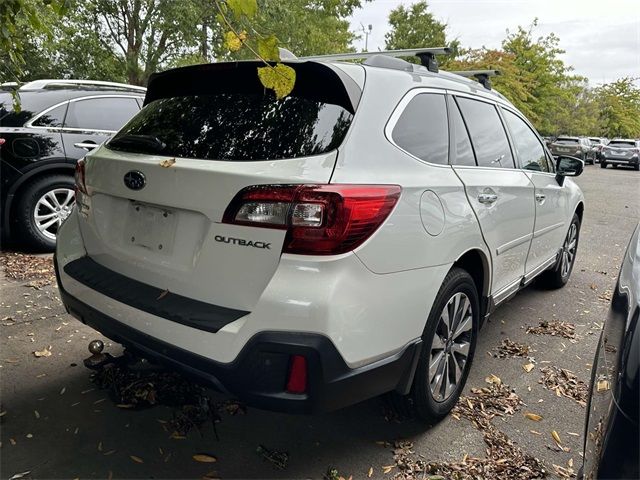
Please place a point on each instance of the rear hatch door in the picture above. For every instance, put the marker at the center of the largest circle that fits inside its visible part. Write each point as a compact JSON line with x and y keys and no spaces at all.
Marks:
{"x":157,"y":192}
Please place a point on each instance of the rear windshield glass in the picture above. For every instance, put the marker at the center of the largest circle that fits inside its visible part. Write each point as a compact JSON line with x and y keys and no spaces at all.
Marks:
{"x":618,"y":143}
{"x":236,"y":126}
{"x":568,"y":140}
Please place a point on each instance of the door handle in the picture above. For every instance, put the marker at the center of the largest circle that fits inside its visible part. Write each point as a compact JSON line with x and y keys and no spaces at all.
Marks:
{"x":540,"y":197}
{"x":87,"y":145}
{"x":487,"y":198}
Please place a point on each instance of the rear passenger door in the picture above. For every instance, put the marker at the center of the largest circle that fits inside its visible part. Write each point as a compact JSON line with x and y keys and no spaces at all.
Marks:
{"x":551,"y":199}
{"x":93,"y":120}
{"x":500,"y":195}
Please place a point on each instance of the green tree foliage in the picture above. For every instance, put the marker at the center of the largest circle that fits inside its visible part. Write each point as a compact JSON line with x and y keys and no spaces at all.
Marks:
{"x":415,"y":27}
{"x":619,"y":106}
{"x":16,"y":16}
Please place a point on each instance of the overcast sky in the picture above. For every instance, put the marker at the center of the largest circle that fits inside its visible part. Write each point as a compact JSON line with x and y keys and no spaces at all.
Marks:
{"x":601,"y":37}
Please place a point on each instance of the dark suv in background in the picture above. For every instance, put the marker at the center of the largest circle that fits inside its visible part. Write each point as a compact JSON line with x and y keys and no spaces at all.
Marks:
{"x":621,"y":151}
{"x":45,"y":127}
{"x":579,"y":147}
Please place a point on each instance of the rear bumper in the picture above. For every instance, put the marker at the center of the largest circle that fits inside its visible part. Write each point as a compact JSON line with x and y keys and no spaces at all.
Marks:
{"x":620,"y":161}
{"x":258,"y":375}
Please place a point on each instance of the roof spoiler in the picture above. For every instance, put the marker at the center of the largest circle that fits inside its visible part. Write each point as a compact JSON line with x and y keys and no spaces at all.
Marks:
{"x":482,"y":76}
{"x":427,"y":56}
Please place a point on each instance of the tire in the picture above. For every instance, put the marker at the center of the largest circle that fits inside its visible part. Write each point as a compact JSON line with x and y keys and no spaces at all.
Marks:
{"x":559,"y":275}
{"x":636,"y":167}
{"x":30,"y":202}
{"x":421,"y":402}
{"x":603,"y":164}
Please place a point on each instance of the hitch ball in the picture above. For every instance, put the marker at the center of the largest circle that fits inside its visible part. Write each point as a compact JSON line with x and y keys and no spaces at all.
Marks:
{"x":96,"y":347}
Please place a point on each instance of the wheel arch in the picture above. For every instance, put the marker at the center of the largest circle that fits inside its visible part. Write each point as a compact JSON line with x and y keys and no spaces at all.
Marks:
{"x":477,"y":264}
{"x":32,"y":175}
{"x":580,"y":210}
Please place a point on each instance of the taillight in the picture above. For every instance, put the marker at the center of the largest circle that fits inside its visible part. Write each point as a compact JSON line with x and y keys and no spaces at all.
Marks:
{"x":319,"y":219}
{"x":80,"y":178}
{"x":2,"y":140}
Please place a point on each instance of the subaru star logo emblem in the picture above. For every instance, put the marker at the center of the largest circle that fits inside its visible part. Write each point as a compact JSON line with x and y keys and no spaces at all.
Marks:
{"x":135,"y":180}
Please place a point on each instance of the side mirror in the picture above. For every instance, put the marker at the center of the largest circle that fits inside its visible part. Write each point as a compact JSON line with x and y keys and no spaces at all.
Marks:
{"x":568,"y":167}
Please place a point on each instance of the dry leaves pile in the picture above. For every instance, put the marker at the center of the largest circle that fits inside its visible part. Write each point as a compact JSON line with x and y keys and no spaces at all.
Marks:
{"x":565,"y":383}
{"x":509,"y":348}
{"x":504,"y":459}
{"x":21,"y":267}
{"x":554,"y":328}
{"x":144,"y":388}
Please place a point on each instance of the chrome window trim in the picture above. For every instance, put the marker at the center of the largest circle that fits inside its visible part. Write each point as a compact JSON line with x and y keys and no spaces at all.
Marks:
{"x":29,"y":123}
{"x":399,"y":110}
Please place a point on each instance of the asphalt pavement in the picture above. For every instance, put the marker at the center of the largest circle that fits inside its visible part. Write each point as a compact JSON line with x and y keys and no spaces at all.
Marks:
{"x":55,"y":423}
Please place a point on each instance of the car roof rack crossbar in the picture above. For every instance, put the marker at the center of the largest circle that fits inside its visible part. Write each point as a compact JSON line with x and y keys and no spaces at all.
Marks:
{"x":48,"y":83}
{"x":482,"y":76}
{"x":427,"y":56}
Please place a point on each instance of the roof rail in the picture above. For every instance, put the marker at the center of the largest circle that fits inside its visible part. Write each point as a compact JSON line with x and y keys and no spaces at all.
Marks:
{"x":482,"y":76}
{"x":427,"y":56}
{"x":48,"y":83}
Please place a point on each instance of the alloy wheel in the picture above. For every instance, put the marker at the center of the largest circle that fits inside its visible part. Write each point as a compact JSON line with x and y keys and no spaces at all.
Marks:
{"x":52,"y":209}
{"x":569,"y":250}
{"x":450,"y":347}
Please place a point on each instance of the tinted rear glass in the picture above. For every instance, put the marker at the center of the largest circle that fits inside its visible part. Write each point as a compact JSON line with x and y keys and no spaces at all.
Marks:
{"x":568,"y":141}
{"x":238,"y":126}
{"x":617,"y":143}
{"x":422,"y":128}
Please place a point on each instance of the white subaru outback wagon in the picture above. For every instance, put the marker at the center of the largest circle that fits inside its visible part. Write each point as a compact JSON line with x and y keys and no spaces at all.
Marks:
{"x":310,"y":252}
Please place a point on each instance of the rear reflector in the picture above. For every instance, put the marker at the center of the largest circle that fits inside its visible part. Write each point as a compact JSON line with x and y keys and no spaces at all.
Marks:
{"x":297,"y":381}
{"x":319,"y":219}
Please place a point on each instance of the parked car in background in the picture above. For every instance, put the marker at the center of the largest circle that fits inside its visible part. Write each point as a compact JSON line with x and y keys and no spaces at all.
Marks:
{"x":596,"y":145}
{"x":56,"y":123}
{"x":579,"y":147}
{"x":286,"y":233}
{"x":612,"y":434}
{"x":621,"y":152}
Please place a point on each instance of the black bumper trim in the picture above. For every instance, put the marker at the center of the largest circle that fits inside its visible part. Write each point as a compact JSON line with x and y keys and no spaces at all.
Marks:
{"x":153,"y":300}
{"x":258,"y":374}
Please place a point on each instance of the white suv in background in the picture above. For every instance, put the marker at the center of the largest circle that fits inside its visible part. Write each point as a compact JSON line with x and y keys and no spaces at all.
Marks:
{"x":308,"y":253}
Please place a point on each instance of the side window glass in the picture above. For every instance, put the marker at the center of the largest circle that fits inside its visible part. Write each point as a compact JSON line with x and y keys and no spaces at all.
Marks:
{"x":530,"y":150}
{"x":487,"y":133}
{"x":109,"y":113}
{"x":422,"y":128}
{"x":53,"y":118}
{"x":462,"y":151}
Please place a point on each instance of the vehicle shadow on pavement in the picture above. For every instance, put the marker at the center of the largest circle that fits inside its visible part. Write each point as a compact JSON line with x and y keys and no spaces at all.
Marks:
{"x":68,"y":428}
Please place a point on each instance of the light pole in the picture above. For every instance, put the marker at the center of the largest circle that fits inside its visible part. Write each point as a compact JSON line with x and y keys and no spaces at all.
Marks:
{"x":367,"y":31}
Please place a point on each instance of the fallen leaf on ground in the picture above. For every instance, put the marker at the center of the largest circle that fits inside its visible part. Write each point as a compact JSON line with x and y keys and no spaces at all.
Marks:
{"x":136,"y":459}
{"x":45,"y":352}
{"x":565,"y":384}
{"x":370,"y":472}
{"x":556,"y":437}
{"x":509,"y":348}
{"x":528,"y":367}
{"x":555,"y":328}
{"x":204,"y":458}
{"x":533,"y":416}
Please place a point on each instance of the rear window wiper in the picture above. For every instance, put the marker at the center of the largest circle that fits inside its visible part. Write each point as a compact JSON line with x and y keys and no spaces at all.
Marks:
{"x":129,"y":140}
